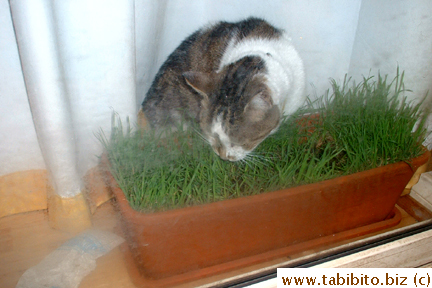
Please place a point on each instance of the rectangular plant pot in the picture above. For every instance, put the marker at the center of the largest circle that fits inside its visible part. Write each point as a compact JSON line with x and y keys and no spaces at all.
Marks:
{"x":180,"y":245}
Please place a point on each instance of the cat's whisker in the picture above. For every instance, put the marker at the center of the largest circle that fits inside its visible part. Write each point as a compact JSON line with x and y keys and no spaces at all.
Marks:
{"x":246,"y":162}
{"x":265,"y":157}
{"x":258,"y":159}
{"x":250,"y":160}
{"x":201,"y":136}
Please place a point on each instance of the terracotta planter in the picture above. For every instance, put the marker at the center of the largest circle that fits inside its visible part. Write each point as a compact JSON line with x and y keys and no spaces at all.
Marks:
{"x":185,"y":244}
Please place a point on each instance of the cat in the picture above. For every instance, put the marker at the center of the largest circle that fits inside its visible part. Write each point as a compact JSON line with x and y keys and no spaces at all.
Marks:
{"x":236,"y":80}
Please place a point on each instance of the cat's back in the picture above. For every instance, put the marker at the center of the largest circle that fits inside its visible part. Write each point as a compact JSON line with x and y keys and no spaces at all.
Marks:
{"x":283,"y":66}
{"x":208,"y":50}
{"x":203,"y":50}
{"x":207,"y":46}
{"x":224,"y":43}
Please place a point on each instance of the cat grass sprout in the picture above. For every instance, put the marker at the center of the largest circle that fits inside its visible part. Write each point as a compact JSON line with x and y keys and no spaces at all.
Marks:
{"x":354,"y":128}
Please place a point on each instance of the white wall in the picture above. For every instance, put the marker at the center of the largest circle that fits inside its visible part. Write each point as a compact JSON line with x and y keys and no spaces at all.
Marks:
{"x":395,"y":33}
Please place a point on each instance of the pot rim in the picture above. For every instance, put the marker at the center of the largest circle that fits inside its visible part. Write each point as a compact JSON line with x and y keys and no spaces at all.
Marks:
{"x":413,"y":164}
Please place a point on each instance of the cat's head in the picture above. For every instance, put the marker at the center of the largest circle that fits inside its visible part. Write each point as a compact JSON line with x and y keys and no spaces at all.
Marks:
{"x":237,"y":111}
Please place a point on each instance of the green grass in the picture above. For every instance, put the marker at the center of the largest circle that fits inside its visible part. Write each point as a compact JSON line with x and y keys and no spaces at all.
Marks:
{"x":358,"y":127}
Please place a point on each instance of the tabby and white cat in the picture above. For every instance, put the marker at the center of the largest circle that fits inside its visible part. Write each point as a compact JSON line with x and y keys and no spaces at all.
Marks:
{"x":235,"y":79}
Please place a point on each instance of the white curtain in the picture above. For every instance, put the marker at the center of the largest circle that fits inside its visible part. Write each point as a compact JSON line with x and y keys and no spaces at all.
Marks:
{"x":78,"y":62}
{"x":66,"y":65}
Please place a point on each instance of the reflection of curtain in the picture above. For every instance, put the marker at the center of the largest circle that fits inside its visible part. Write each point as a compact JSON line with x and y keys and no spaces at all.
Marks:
{"x":83,"y":59}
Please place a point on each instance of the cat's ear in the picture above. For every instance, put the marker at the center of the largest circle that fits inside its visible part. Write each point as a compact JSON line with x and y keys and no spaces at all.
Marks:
{"x":261,"y":101}
{"x":200,"y":82}
{"x":259,"y":106}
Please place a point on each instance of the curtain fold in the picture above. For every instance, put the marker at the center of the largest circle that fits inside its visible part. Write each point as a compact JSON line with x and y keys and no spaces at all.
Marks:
{"x":46,"y":91}
{"x":78,"y":63}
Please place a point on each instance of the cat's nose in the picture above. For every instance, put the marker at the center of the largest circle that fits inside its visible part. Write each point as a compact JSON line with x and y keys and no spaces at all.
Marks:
{"x":223,"y":156}
{"x":229,"y":158}
{"x":220,"y":151}
{"x":232,"y":158}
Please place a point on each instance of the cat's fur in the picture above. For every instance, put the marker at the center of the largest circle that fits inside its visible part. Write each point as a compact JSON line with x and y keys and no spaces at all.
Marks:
{"x":235,"y":79}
